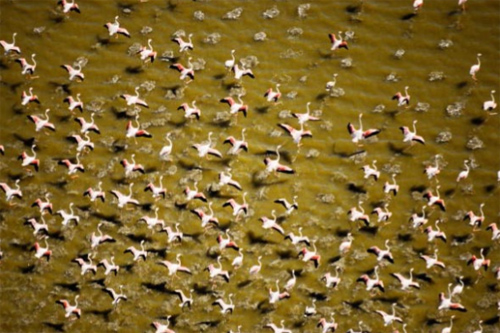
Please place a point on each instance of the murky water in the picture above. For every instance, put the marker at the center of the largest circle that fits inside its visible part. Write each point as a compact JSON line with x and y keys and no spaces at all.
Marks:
{"x":430,"y":53}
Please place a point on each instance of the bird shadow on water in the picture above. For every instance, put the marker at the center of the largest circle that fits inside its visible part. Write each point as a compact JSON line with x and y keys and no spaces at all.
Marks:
{"x":112,"y":218}
{"x":409,"y":16}
{"x":356,"y":189}
{"x":134,"y":69}
{"x":26,"y":142}
{"x":101,"y":313}
{"x":64,"y":86}
{"x":59,"y":327}
{"x":75,"y":287}
{"x":159,"y":287}
{"x":258,"y":239}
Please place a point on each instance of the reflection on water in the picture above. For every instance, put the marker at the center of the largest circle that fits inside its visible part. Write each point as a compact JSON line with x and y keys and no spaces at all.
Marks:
{"x":285,"y":43}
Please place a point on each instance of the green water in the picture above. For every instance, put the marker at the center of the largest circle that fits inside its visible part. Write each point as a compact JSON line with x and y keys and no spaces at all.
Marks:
{"x":440,"y":42}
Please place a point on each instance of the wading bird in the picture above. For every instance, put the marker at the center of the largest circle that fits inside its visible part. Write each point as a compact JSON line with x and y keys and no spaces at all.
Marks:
{"x":114,"y":28}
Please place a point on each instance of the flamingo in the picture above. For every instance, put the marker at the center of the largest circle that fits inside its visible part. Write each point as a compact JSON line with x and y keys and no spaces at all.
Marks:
{"x":161,"y":328}
{"x":95,"y":194}
{"x":68,"y":217}
{"x":74,"y":103}
{"x":406,"y":282}
{"x":477,"y":263}
{"x":239,"y":73}
{"x":237,"y":145}
{"x":175,"y":267}
{"x":190,"y":111}
{"x":38,"y":227}
{"x":68,"y":6}
{"x":226,"y":243}
{"x":299,"y":238}
{"x":433,"y":171}
{"x":255,"y":269}
{"x":277,"y":329}
{"x":495,"y":232}
{"x":194,"y":194}
{"x":273,"y":96}
{"x":173,"y":235}
{"x":156,"y":191}
{"x":290,"y":207}
{"x":296,"y":134}
{"x":305,"y":117}
{"x":88,"y":126}
{"x":95,"y":240}
{"x":205,"y":148}
{"x":70,"y":309}
{"x":371,"y":171}
{"x":358,"y":134}
{"x":474,"y":219}
{"x":11,"y":193}
{"x":345,"y":246}
{"x":147,"y":52}
{"x":237,"y":208}
{"x":394,"y":187}
{"x":310,"y":310}
{"x":382,"y":254}
{"x":86,"y":266}
{"x":117,"y":297}
{"x":29,"y":98}
{"x":30,"y":160}
{"x":217,"y":271}
{"x":136,"y":132}
{"x":432,"y":261}
{"x":465,"y":173}
{"x":435,"y":199}
{"x":109,"y":266}
{"x":332,"y":281}
{"x":327,"y":326}
{"x":268,"y":223}
{"x":402,"y":99}
{"x":82,"y":143}
{"x":185,"y":301}
{"x":275,"y":165}
{"x":125,"y":199}
{"x":27,"y":68}
{"x":462,"y":4}
{"x":42,"y":251}
{"x":445,"y":303}
{"x":389,"y":318}
{"x":134,"y":99}
{"x":459,"y":288}
{"x":166,"y":150}
{"x":238,"y":261}
{"x":291,"y":282}
{"x":234,"y":106}
{"x":226,"y":178}
{"x":475,"y":68}
{"x":114,"y":28}
{"x":372,"y":283}
{"x":205,"y":217}
{"x":448,"y":329}
{"x":490,"y":105}
{"x":10,"y":46}
{"x":417,"y":4}
{"x":225,"y":307}
{"x":275,"y":296}
{"x":43,"y":205}
{"x":185,"y":71}
{"x":310,"y":255}
{"x":131,"y":166}
{"x":331,"y":84}
{"x":230,"y":63}
{"x":183,"y":45}
{"x":142,"y":253}
{"x":73,"y":72}
{"x":152,"y":221}
{"x":410,"y":136}
{"x":337,"y":42}
{"x":432,"y":234}
{"x":42,"y":123}
{"x":73,"y":167}
{"x":383,"y":214}
{"x":355,"y":215}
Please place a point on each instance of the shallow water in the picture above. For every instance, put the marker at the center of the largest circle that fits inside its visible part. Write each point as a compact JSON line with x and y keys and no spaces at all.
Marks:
{"x":327,"y":180}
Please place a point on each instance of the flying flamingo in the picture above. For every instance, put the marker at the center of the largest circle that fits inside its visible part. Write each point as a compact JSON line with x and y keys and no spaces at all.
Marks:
{"x":10,"y":46}
{"x":70,"y":309}
{"x":42,"y":123}
{"x":136,"y":132}
{"x":234,"y":106}
{"x":73,"y":72}
{"x":69,"y":6}
{"x":114,"y":28}
{"x":305,"y":117}
{"x":410,"y":136}
{"x":30,"y":160}
{"x":337,"y":42}
{"x":88,"y":126}
{"x":273,"y":96}
{"x":190,"y":111}
{"x":239,"y":73}
{"x":147,"y":52}
{"x":74,"y":103}
{"x":205,"y":148}
{"x":27,"y":68}
{"x":185,"y":71}
{"x":358,"y":134}
{"x":184,"y":45}
{"x":12,"y":192}
{"x":275,"y":165}
{"x":134,"y":99}
{"x":29,"y":98}
{"x":402,"y":99}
